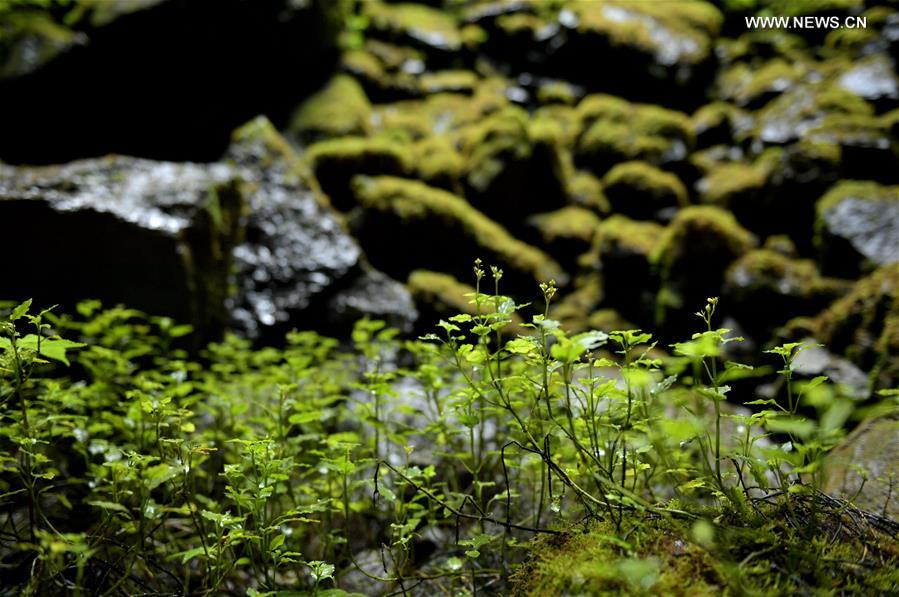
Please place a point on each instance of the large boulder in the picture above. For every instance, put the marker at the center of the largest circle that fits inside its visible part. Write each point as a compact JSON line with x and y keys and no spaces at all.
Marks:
{"x":242,"y":243}
{"x":164,"y":79}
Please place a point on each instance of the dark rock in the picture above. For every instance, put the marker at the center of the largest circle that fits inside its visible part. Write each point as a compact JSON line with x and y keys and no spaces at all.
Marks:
{"x":181,"y":74}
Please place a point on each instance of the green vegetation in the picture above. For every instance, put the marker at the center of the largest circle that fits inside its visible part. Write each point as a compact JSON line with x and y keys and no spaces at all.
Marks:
{"x":132,"y":467}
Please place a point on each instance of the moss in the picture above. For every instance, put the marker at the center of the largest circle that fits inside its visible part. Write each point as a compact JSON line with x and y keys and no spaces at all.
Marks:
{"x":455,"y":81}
{"x":558,"y":92}
{"x":640,"y":190}
{"x":707,"y":223}
{"x":437,"y":162}
{"x":619,"y":233}
{"x":567,"y":223}
{"x":335,"y":161}
{"x":509,"y":173}
{"x":852,"y":129}
{"x":415,"y":24}
{"x":731,"y":181}
{"x":340,"y":108}
{"x":415,"y":215}
{"x":440,"y":296}
{"x":761,"y":555}
{"x":381,"y":68}
{"x":616,"y":130}
{"x":608,"y":320}
{"x":585,"y":189}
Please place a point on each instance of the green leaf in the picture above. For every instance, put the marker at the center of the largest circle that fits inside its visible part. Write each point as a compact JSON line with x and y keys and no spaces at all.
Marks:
{"x":20,"y":311}
{"x":277,"y":542}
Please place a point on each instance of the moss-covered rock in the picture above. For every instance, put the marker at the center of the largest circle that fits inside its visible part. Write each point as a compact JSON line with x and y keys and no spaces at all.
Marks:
{"x":450,"y":81}
{"x":765,"y":288}
{"x":414,"y":24}
{"x":566,"y":233}
{"x":622,"y":249}
{"x":719,"y":123}
{"x":434,"y":228}
{"x":558,"y":92}
{"x":438,"y":162}
{"x":335,"y":161}
{"x":661,"y":555}
{"x":864,"y":467}
{"x":692,"y":256}
{"x":752,"y":86}
{"x":340,"y":108}
{"x":858,"y":226}
{"x":642,"y":191}
{"x":862,"y":326}
{"x":511,"y":173}
{"x":789,"y":116}
{"x":385,"y":71}
{"x":616,"y":130}
{"x":586,"y":190}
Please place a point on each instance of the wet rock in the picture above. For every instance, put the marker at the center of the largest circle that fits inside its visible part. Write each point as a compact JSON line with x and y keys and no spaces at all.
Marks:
{"x":641,"y":191}
{"x":244,"y":244}
{"x":623,"y":250}
{"x":692,"y":256}
{"x":155,"y":235}
{"x":816,"y":360}
{"x":192,"y":84}
{"x":863,"y":467}
{"x":374,"y":295}
{"x":764,"y":289}
{"x":858,"y":227}
{"x":339,"y":108}
{"x":429,"y":227}
{"x":297,"y":266}
{"x":615,"y":130}
{"x":872,"y":78}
